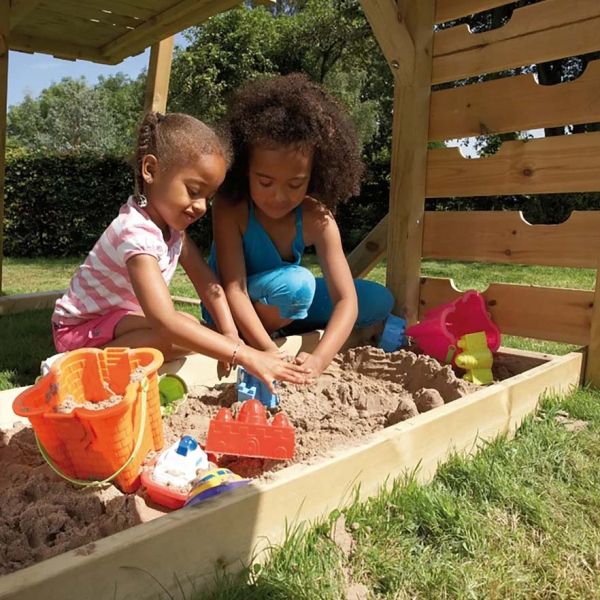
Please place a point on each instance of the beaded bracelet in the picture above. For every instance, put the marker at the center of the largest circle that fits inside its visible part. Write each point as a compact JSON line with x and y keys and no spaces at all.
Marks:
{"x":234,"y":354}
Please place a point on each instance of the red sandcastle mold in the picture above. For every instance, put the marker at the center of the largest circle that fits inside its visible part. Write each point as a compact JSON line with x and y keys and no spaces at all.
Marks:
{"x":251,"y":434}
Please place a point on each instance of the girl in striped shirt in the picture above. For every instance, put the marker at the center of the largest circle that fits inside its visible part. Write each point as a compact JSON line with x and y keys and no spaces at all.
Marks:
{"x":119,"y":296}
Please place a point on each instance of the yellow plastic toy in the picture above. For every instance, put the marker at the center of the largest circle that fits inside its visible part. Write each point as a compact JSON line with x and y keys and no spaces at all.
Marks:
{"x":476,"y":358}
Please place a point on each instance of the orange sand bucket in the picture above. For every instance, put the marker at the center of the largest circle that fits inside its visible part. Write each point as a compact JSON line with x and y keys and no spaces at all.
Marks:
{"x":104,"y":442}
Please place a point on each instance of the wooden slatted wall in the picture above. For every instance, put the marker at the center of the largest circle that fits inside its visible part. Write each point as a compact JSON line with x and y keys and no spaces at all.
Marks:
{"x":547,"y":30}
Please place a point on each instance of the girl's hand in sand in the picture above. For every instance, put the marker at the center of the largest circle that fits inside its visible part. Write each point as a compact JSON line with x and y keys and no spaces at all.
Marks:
{"x":270,"y":367}
{"x":280,"y":352}
{"x":312,"y":362}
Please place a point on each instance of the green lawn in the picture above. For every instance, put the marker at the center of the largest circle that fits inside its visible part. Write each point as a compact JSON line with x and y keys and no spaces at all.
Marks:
{"x":520,"y":520}
{"x":30,"y":332}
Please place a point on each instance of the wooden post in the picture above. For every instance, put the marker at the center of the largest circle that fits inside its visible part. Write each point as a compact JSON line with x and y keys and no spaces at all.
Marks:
{"x":159,"y":73}
{"x":409,"y":162}
{"x":4,"y":30}
{"x":592,"y":362}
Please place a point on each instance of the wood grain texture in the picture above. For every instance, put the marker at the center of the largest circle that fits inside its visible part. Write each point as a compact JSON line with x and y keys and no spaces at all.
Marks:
{"x":557,"y":314}
{"x":514,"y":104}
{"x":505,"y":237}
{"x":535,"y":33}
{"x":448,"y":10}
{"x":409,"y":166}
{"x":567,"y":163}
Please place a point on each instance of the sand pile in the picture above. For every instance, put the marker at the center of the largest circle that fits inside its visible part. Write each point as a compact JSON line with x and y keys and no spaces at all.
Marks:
{"x":363,"y":391}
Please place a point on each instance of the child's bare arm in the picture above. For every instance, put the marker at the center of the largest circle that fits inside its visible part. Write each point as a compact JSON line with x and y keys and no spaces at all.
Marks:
{"x":322,"y":230}
{"x":155,"y":300}
{"x":232,"y":270}
{"x":207,"y":286}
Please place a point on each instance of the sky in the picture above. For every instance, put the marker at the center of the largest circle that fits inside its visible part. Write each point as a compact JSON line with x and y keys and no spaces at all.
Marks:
{"x":31,"y":73}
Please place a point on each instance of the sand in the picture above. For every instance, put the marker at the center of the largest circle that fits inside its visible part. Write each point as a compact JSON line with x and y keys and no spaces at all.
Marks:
{"x":363,"y":391}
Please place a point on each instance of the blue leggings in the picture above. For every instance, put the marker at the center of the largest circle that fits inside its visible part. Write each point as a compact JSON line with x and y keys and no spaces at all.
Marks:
{"x":304,"y":298}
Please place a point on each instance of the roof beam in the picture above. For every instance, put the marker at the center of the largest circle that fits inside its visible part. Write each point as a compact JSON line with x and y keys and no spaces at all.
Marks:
{"x":386,"y":20}
{"x":159,"y":73}
{"x":26,"y":43}
{"x":19,"y":9}
{"x":171,"y":21}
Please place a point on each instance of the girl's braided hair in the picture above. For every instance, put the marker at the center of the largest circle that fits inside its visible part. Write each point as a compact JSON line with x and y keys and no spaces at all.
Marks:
{"x":291,"y":110}
{"x":176,"y":138}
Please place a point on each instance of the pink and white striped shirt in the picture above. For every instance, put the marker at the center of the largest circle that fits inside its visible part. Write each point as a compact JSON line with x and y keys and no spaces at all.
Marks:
{"x":101,"y":284}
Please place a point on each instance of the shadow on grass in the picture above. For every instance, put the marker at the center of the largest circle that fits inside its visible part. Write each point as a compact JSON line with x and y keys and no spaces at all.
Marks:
{"x":26,"y":341}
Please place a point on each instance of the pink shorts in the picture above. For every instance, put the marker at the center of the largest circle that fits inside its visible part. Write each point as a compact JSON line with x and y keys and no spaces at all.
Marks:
{"x":94,"y":333}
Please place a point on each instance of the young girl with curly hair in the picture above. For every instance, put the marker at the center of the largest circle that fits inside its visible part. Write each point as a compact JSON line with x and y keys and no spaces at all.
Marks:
{"x":296,"y":156}
{"x":119,"y":296}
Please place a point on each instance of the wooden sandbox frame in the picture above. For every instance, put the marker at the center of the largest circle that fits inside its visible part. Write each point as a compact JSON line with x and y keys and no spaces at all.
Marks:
{"x":242,"y":523}
{"x":229,"y":531}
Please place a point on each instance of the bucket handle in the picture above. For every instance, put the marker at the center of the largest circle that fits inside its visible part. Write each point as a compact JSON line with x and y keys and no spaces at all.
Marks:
{"x":86,"y":483}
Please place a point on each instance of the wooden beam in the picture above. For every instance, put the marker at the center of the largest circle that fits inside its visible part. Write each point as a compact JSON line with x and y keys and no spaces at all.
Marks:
{"x":448,"y":10}
{"x":171,"y":21}
{"x":566,"y":163}
{"x":543,"y":313}
{"x":391,"y":33}
{"x":19,"y":9}
{"x":4,"y":30}
{"x":592,"y":362}
{"x":535,"y":33}
{"x":409,"y":166}
{"x":481,"y":108}
{"x":505,"y":237}
{"x":368,"y":253}
{"x":26,"y":43}
{"x":159,"y":73}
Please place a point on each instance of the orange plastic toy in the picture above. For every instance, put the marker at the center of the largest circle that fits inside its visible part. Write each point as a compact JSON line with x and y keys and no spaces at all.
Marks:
{"x":251,"y":434}
{"x":95,"y":444}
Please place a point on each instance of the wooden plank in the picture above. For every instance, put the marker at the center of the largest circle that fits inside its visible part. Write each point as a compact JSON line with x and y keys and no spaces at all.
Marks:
{"x":23,"y":302}
{"x":536,"y":33}
{"x":505,"y":237}
{"x":480,"y":109}
{"x":4,"y":31}
{"x":408,"y":166}
{"x":159,"y":73}
{"x":241,"y":524}
{"x":592,"y":362}
{"x":392,"y":35}
{"x":567,"y":163}
{"x":88,"y":11}
{"x":370,"y":251}
{"x":25,"y":43}
{"x":448,"y":10}
{"x":19,"y":9}
{"x":165,"y":24}
{"x":557,"y":314}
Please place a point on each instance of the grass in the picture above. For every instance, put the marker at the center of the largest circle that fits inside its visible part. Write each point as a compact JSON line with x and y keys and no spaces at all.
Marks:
{"x":520,"y":520}
{"x":30,"y":332}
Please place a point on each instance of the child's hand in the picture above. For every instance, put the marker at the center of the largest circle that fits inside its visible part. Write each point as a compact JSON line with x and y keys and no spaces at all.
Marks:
{"x":311,"y":362}
{"x":270,"y":367}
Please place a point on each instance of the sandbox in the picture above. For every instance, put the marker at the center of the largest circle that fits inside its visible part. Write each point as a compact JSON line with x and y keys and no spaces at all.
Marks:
{"x":354,"y":444}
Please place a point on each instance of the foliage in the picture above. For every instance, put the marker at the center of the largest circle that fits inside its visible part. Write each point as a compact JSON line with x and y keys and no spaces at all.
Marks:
{"x":72,"y":116}
{"x":59,"y":204}
{"x":56,"y":205}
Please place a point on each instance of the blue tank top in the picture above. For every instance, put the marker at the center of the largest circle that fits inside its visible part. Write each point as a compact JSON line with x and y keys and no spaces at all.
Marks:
{"x":260,"y":253}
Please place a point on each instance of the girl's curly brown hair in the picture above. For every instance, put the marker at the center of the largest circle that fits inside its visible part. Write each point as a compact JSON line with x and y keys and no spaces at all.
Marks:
{"x":291,"y":110}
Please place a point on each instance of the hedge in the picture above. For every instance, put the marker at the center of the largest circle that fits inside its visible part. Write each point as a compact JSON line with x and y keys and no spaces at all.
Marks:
{"x":58,"y":205}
